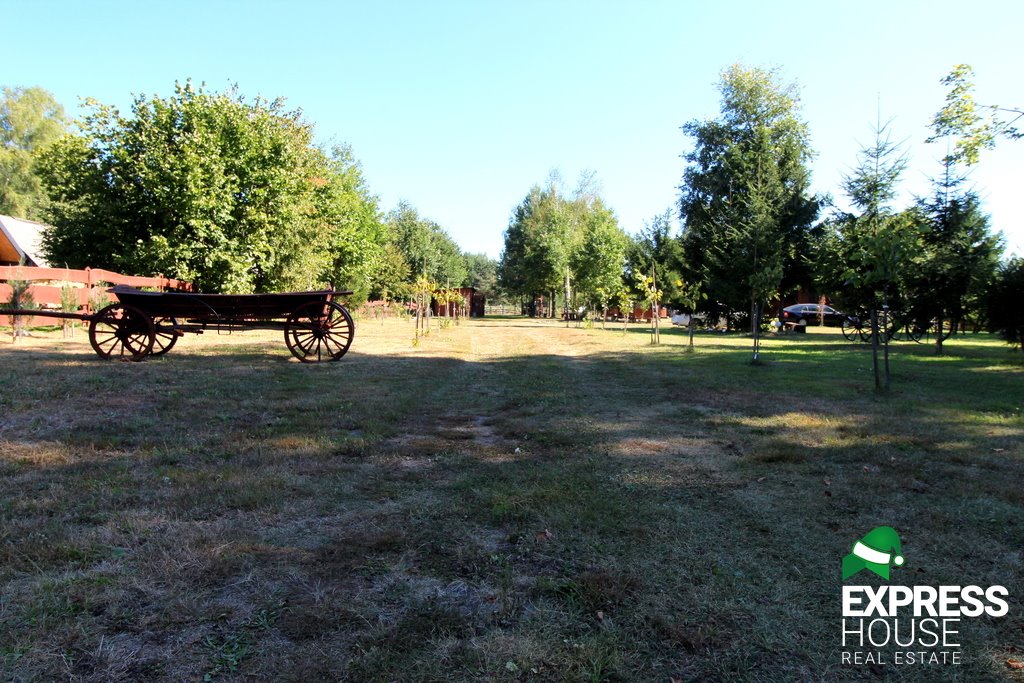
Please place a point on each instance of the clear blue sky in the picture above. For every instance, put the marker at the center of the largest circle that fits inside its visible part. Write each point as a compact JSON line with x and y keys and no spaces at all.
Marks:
{"x":459,"y":107}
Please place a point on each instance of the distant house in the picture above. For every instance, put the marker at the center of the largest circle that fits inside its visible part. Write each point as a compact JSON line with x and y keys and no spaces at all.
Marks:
{"x":474,"y":304}
{"x":21,"y":240}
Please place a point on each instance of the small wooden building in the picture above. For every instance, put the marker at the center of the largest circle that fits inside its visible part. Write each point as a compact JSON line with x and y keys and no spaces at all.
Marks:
{"x":473,"y":304}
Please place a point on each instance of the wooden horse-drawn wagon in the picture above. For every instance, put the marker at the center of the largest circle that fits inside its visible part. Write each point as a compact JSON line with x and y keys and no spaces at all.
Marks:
{"x":316,"y":327}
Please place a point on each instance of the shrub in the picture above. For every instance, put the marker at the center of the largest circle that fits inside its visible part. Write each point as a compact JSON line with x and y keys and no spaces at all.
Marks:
{"x":21,"y":298}
{"x":1005,"y":302}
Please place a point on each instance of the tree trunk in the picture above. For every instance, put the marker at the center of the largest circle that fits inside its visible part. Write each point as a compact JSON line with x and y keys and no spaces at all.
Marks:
{"x":568,"y":297}
{"x":874,"y":348}
{"x":419,"y":317}
{"x":755,"y":322}
{"x":938,"y":335}
{"x":885,"y":343}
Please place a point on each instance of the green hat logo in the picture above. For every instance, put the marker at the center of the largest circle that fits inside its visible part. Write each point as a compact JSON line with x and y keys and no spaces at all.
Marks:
{"x":874,"y":552}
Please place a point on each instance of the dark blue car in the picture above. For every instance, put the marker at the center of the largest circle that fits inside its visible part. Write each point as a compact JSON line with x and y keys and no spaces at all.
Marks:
{"x":808,"y":313}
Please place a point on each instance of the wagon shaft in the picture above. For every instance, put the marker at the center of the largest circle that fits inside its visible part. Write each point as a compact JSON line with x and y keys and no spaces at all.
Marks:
{"x":44,"y":313}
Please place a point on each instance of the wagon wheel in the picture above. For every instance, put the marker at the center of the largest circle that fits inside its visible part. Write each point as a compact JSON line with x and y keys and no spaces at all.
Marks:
{"x":319,"y":331}
{"x":853,"y":329}
{"x":890,"y":326}
{"x":925,"y":333}
{"x":901,"y":330}
{"x":166,"y":335}
{"x":121,"y":331}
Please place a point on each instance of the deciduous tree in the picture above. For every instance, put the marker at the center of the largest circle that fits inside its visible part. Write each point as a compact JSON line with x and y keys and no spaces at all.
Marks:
{"x":597,"y":264}
{"x":971,"y":126}
{"x":483,"y":275}
{"x":229,"y":193}
{"x":558,"y":243}
{"x":30,"y":120}
{"x":349,"y":225}
{"x":535,"y":258}
{"x":426,"y":247}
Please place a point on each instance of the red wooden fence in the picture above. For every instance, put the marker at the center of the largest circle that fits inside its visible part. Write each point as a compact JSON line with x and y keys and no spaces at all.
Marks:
{"x":47,"y":293}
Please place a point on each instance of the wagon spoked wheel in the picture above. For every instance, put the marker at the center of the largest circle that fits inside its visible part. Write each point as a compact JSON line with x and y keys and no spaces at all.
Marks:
{"x":890,"y":326}
{"x":902,"y":332}
{"x":853,"y":330}
{"x":319,"y":331}
{"x":122,"y":331}
{"x":167,"y":335}
{"x":925,"y":333}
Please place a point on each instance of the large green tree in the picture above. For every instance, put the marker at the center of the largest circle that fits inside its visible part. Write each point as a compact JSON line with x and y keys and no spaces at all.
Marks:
{"x":862,"y":255}
{"x":958,"y":257}
{"x":391,"y":277}
{"x":210,"y":187}
{"x":30,"y":120}
{"x":745,"y":200}
{"x":426,"y":247}
{"x":559,"y":245}
{"x":960,"y":254}
{"x":350,"y":226}
{"x":483,"y":275}
{"x":597,"y":264}
{"x":538,"y":245}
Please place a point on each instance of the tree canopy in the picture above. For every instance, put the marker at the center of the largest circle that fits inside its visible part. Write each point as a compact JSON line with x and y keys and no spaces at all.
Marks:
{"x":859,"y":256}
{"x":958,"y":253}
{"x":426,"y":247}
{"x":972,"y":126}
{"x":555,"y":243}
{"x":745,"y":200}
{"x":483,"y":275}
{"x":1003,"y":302}
{"x":30,"y":120}
{"x":659,"y":251}
{"x":209,"y":187}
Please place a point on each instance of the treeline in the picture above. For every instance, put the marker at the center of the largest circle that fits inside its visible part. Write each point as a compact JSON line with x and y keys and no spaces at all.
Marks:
{"x":211,"y":187}
{"x":752,"y":233}
{"x":234,"y":195}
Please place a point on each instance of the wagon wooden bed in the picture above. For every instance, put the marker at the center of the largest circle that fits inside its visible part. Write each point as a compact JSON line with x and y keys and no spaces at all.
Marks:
{"x":316,"y":327}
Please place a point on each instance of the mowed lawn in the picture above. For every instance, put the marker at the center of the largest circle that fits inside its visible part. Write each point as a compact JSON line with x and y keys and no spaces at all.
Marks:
{"x":508,"y":500}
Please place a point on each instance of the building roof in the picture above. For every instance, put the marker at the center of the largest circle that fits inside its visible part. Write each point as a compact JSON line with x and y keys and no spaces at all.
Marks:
{"x":21,"y":239}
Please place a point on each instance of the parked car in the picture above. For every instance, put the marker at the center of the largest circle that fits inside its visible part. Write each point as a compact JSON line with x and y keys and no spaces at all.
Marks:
{"x":701,"y":321}
{"x":683,"y":319}
{"x":809,"y":314}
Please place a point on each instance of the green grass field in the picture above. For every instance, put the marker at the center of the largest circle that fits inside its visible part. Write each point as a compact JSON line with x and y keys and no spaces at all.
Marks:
{"x":508,"y":500}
